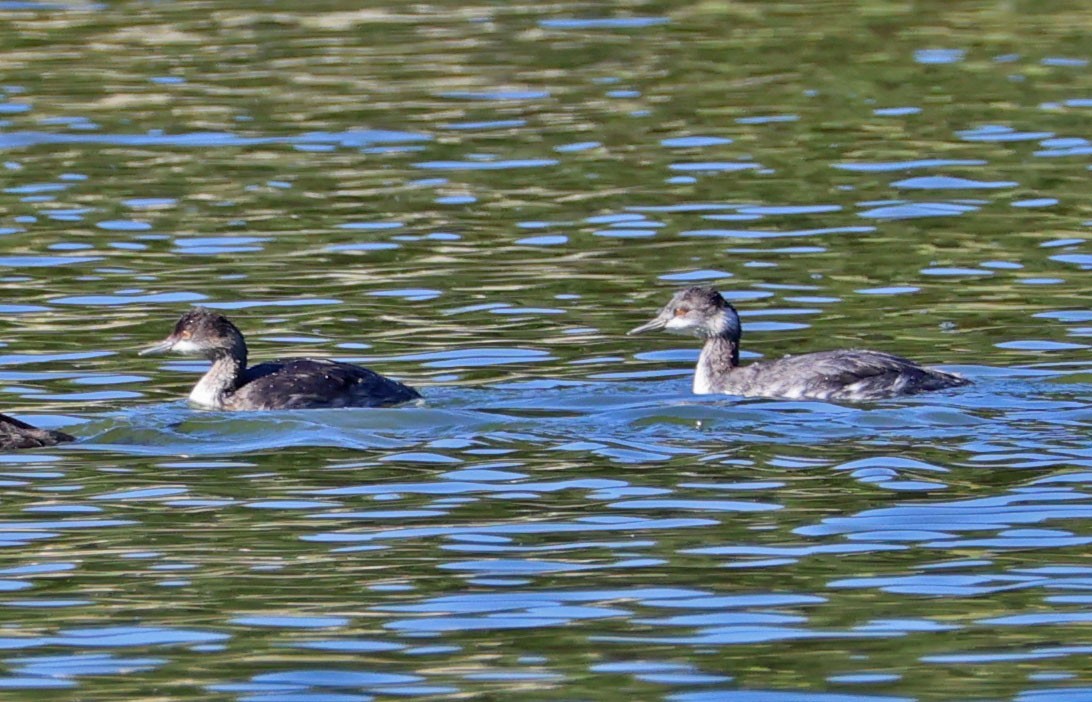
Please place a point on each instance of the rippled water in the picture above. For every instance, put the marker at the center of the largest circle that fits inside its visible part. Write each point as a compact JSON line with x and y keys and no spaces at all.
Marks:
{"x":480,"y":199}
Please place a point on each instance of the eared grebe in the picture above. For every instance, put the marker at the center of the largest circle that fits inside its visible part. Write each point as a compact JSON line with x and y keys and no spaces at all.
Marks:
{"x":849,"y":374}
{"x":295,"y":383}
{"x":17,"y":435}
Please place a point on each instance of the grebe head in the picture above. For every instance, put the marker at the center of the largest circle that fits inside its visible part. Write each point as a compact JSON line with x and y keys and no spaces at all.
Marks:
{"x":697,"y":311}
{"x":202,"y":332}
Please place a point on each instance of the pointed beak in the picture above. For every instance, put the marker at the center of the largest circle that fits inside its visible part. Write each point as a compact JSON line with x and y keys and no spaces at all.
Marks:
{"x":162,"y":347}
{"x":658,"y":323}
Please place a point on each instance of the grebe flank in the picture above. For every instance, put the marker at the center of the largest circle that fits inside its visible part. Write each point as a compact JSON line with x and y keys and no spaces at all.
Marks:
{"x":295,"y":383}
{"x":847,"y":374}
{"x":18,"y":435}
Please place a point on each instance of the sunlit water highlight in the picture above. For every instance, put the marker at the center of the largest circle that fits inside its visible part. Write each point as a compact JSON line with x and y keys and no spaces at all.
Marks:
{"x":480,"y":200}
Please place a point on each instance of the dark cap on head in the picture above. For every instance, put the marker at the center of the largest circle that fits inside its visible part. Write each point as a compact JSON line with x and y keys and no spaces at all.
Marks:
{"x":201,"y":331}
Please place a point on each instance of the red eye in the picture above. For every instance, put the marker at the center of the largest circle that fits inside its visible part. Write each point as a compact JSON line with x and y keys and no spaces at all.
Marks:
{"x":680,"y":311}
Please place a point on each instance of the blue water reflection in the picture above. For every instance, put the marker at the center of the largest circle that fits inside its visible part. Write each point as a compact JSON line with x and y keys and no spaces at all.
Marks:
{"x":481,"y":200}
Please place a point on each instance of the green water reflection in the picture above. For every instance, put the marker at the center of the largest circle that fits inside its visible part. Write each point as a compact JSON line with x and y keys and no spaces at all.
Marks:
{"x":480,"y":199}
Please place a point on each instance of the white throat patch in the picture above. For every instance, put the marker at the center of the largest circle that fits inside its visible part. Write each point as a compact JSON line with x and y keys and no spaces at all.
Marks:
{"x":187,"y":347}
{"x":205,"y":395}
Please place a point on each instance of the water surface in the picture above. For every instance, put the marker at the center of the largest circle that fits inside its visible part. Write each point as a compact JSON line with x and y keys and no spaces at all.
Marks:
{"x":480,"y":200}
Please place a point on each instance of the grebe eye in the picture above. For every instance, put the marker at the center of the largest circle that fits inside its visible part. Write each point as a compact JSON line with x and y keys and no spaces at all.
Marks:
{"x":680,"y":311}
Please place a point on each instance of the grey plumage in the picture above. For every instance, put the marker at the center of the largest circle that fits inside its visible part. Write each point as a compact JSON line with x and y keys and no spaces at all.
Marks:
{"x":848,"y":374}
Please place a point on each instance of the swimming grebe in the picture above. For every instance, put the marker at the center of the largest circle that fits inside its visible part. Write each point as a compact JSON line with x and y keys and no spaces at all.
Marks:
{"x":848,"y":374}
{"x":295,"y":383}
{"x":17,"y":435}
